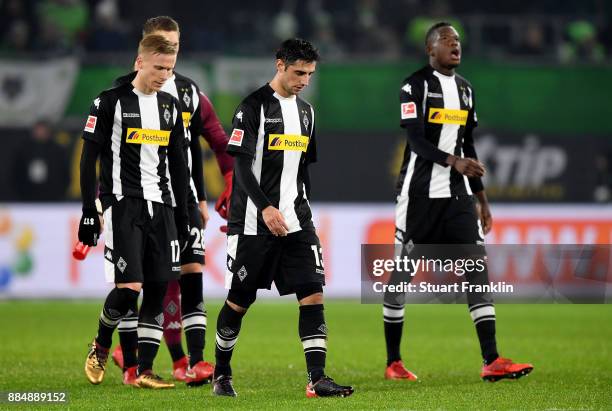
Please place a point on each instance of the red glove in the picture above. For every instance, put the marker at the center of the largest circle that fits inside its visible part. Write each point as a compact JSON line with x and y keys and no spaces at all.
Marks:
{"x":223,"y":203}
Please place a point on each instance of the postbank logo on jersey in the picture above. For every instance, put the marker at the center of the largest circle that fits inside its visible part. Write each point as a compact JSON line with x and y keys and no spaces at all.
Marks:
{"x":147,"y":136}
{"x":447,"y":116}
{"x":288,"y":142}
{"x":186,"y":118}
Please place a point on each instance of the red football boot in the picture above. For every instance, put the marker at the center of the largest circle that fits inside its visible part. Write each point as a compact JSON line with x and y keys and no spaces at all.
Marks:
{"x":397,"y":371}
{"x":179,"y":368}
{"x":129,"y":376}
{"x":118,"y":357}
{"x":199,"y":374}
{"x":504,"y":368}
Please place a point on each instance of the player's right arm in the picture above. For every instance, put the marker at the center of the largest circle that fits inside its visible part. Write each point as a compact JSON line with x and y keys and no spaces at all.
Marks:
{"x":241,"y":145}
{"x":412,"y":119}
{"x":97,"y":132}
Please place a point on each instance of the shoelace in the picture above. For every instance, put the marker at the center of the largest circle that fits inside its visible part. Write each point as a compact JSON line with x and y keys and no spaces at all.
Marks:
{"x":99,"y":357}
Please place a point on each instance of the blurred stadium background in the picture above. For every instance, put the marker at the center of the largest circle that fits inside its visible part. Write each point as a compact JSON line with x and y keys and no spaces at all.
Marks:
{"x":541,"y":70}
{"x":541,"y":75}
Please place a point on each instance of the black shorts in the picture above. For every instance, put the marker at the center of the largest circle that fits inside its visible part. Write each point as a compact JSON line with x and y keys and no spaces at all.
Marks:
{"x":141,"y":242}
{"x":194,"y":252}
{"x":437,"y":221}
{"x":255,"y":261}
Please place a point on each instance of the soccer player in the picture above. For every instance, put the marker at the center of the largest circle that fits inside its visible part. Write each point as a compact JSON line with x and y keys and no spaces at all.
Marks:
{"x":138,"y":132}
{"x":271,"y":235}
{"x":438,"y":177}
{"x":185,"y":295}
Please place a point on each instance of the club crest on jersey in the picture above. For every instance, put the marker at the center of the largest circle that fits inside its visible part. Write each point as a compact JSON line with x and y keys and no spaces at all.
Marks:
{"x":464,"y":97}
{"x":167,"y":116}
{"x":305,"y":121}
{"x":186,"y":99}
{"x":409,"y":110}
{"x":90,"y":125}
{"x":236,"y":137}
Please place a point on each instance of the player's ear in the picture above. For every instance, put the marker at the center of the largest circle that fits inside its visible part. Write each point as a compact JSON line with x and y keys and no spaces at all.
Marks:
{"x":138,"y":63}
{"x":280,"y":65}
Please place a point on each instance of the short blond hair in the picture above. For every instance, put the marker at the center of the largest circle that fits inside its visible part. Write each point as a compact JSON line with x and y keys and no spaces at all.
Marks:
{"x":159,"y":23}
{"x":156,"y":44}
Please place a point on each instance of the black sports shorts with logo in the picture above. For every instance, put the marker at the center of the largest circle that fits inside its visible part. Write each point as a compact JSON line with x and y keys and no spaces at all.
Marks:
{"x":438,"y":221}
{"x":141,"y":242}
{"x":195,"y":250}
{"x":255,"y":261}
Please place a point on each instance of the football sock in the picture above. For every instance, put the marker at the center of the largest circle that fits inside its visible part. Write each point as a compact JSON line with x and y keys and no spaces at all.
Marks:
{"x":150,"y":324}
{"x":228,"y":328}
{"x":194,"y":315}
{"x":128,"y":336}
{"x":393,"y":316}
{"x":483,"y":316}
{"x":313,"y":333}
{"x":172,"y":320}
{"x":116,"y":306}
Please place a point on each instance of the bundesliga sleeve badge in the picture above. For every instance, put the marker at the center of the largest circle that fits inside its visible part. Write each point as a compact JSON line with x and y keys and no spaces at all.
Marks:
{"x":90,"y":125}
{"x":409,"y":110}
{"x":236,"y":137}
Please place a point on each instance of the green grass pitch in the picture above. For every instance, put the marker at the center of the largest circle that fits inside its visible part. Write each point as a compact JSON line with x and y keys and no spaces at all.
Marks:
{"x":43,"y":347}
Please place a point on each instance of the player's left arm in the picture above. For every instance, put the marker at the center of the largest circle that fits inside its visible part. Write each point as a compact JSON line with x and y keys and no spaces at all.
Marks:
{"x":197,"y":163}
{"x":179,"y":175}
{"x":213,"y":132}
{"x":310,"y":156}
{"x":469,"y":150}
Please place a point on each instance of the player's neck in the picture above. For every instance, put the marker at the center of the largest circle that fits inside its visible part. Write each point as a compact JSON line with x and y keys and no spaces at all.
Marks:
{"x":140,"y":85}
{"x":276,"y":86}
{"x":447,"y":71}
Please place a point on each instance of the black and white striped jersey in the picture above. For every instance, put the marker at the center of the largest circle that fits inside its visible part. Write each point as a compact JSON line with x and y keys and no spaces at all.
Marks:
{"x":440,"y":109}
{"x":279,"y":134}
{"x":135,"y":130}
{"x":188,"y":95}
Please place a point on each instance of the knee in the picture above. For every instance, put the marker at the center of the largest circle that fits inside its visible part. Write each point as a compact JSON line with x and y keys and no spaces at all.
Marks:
{"x":191,"y":268}
{"x":132,"y":286}
{"x":240,"y":301}
{"x":310,"y":294}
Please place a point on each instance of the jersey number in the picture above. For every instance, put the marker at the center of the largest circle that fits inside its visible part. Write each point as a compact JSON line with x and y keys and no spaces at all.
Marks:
{"x":318,"y":253}
{"x":176,"y":250}
{"x":199,"y":238}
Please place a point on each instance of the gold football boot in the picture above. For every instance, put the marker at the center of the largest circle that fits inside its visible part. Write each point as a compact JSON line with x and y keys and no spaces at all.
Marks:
{"x":155,"y":382}
{"x":95,"y":363}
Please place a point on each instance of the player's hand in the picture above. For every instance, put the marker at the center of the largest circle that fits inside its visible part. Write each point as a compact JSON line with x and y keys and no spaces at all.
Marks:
{"x":469,"y":167}
{"x":275,"y":221}
{"x":89,"y":227}
{"x":223,"y":202}
{"x":486,"y":219}
{"x":203,"y":207}
{"x":182,"y":228}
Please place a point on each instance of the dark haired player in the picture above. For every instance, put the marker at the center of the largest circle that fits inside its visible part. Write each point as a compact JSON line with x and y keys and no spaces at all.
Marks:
{"x":439,"y":175}
{"x":271,"y":236}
